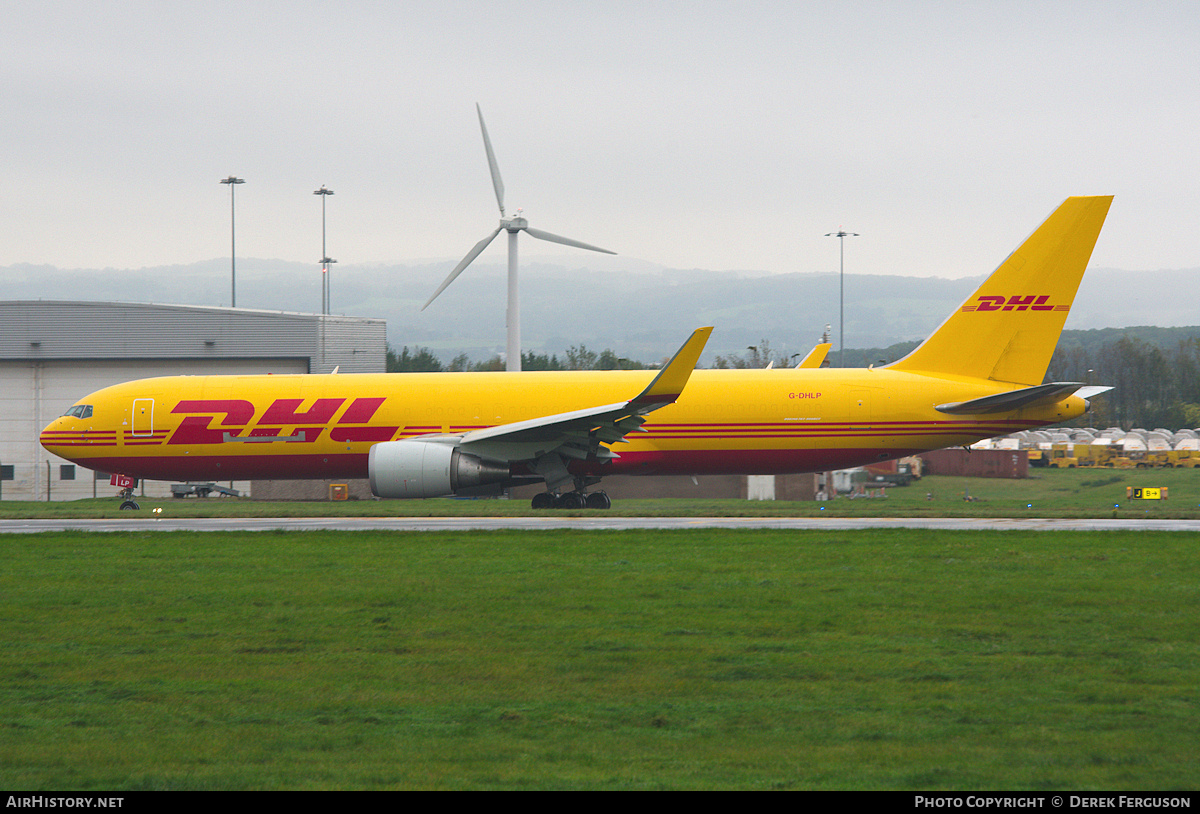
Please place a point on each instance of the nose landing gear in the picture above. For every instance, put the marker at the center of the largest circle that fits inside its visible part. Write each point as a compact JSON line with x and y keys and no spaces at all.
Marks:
{"x":127,"y":501}
{"x":127,"y":484}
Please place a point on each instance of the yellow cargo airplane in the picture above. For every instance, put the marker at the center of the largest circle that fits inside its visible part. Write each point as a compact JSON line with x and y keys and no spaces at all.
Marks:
{"x":427,"y":435}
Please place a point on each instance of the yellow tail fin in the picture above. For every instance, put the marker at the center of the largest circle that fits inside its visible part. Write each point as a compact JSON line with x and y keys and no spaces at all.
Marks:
{"x":1007,"y":329}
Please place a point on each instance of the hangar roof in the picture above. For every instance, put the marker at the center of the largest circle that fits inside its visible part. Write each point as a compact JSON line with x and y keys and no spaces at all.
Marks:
{"x":53,"y":330}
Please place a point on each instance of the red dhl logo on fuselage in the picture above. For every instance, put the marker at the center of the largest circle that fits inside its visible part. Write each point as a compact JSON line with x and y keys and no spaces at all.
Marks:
{"x":1032,"y":302}
{"x":283,"y":414}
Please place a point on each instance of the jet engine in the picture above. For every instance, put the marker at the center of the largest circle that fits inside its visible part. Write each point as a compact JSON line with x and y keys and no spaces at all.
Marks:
{"x":402,"y":469}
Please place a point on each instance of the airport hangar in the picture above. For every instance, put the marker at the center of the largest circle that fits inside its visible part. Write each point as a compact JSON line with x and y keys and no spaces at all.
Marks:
{"x":54,"y":353}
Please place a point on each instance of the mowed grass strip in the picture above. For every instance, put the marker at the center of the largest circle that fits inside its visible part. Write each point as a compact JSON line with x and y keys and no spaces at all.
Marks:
{"x":875,"y":659}
{"x":1047,"y":492}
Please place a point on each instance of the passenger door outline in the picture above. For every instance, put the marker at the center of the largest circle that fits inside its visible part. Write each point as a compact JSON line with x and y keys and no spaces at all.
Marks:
{"x":143,"y":417}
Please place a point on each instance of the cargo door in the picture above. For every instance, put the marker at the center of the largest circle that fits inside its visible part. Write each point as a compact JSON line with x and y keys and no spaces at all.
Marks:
{"x":860,"y":406}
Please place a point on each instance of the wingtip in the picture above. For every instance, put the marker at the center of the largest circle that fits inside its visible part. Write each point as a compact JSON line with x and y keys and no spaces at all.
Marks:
{"x":670,"y":381}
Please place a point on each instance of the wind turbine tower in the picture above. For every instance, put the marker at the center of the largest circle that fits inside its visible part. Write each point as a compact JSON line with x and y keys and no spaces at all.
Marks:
{"x":513,"y":225}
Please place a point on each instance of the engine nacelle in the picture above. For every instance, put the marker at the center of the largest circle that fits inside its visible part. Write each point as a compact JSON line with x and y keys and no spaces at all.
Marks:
{"x":401,"y":469}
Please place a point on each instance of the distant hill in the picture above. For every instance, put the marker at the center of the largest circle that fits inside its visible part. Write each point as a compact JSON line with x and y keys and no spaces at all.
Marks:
{"x":639,"y":310}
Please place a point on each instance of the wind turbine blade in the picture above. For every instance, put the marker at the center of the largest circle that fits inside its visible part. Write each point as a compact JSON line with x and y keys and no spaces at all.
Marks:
{"x":466,"y":261}
{"x":487,"y":145}
{"x":566,"y":241}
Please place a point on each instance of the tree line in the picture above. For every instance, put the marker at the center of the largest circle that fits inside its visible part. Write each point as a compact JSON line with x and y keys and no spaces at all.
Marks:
{"x":423,"y":360}
{"x":1154,"y":385}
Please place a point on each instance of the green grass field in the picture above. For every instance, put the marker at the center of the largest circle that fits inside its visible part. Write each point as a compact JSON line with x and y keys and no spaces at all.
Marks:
{"x":1048,"y":493}
{"x":882,"y":659}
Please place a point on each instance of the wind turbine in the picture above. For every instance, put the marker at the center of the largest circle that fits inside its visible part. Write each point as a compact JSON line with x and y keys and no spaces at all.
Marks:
{"x":514,"y":225}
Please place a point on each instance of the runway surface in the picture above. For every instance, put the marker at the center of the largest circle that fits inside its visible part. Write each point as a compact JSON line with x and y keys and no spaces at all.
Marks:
{"x":590,"y":523}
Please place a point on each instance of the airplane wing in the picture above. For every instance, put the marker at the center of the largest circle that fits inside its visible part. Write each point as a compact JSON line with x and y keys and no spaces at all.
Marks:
{"x":580,"y":433}
{"x":815,"y":356}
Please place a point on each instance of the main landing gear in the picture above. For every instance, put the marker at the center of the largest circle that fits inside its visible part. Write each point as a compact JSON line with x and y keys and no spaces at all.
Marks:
{"x":572,"y":500}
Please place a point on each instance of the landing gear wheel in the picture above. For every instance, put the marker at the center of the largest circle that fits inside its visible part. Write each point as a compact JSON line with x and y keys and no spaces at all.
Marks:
{"x":598,"y":500}
{"x":544,"y":500}
{"x":569,"y":500}
{"x":129,"y":505}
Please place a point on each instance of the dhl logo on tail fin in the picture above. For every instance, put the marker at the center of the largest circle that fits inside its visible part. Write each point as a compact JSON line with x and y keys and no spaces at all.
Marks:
{"x":1014,"y":303}
{"x":1007,"y":330}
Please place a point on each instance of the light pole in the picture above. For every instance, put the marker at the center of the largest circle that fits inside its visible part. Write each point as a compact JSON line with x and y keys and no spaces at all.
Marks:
{"x":326,"y":262}
{"x":325,"y":259}
{"x":232,"y":182}
{"x":841,"y":235}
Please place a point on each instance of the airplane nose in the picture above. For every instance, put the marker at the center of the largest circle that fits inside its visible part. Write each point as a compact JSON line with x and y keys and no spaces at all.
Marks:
{"x":57,"y":437}
{"x":50,"y":434}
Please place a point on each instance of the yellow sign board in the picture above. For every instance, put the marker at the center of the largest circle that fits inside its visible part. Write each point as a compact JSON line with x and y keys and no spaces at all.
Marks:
{"x":1146,"y":493}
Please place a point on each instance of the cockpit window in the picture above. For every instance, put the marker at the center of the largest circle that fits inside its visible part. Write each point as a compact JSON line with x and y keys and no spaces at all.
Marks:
{"x":80,"y":411}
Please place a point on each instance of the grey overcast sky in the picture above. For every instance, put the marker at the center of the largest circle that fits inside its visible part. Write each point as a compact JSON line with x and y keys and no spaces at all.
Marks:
{"x":718,"y":135}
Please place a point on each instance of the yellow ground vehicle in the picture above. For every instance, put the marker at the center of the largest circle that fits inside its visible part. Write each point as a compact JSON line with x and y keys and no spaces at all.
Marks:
{"x":1063,"y":456}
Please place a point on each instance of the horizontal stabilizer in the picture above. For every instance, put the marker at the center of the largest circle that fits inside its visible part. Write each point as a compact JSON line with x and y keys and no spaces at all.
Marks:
{"x":1091,"y":391}
{"x":1013,"y":400}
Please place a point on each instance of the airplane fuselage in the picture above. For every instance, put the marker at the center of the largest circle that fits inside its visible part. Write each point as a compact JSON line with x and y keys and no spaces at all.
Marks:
{"x":726,"y":421}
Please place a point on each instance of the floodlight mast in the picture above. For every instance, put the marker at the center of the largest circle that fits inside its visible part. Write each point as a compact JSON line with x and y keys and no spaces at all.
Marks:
{"x":325,"y":259}
{"x":232,"y":182}
{"x":841,"y":235}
